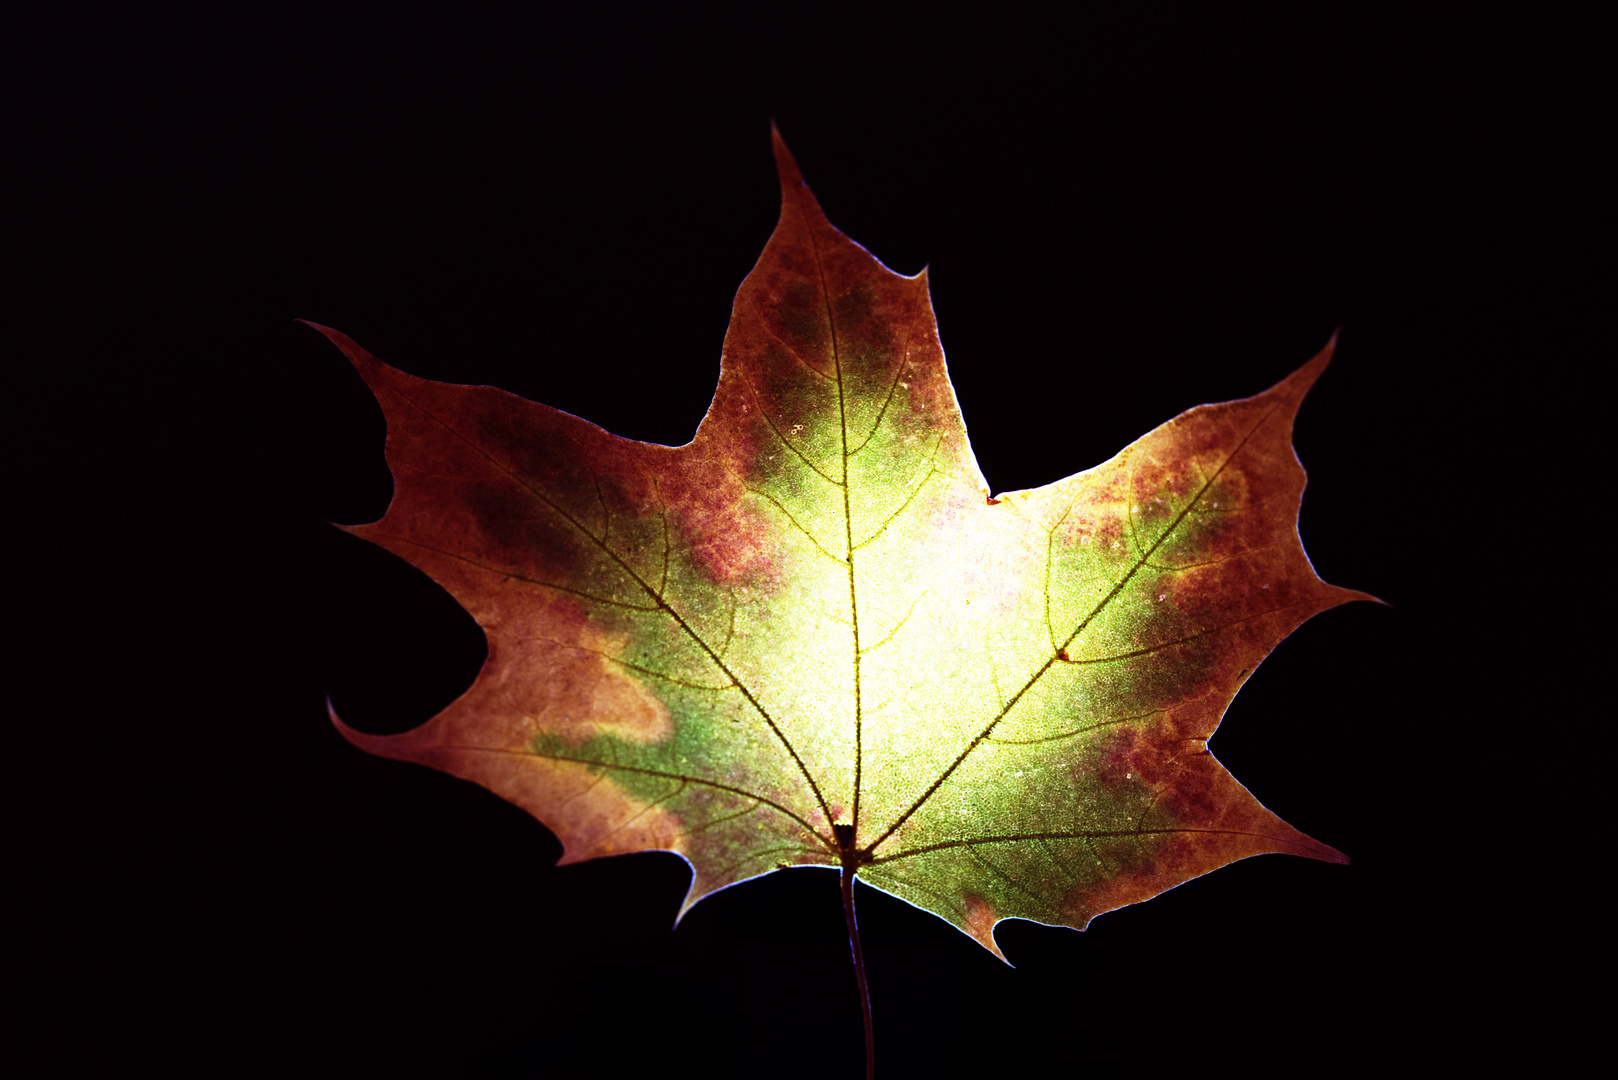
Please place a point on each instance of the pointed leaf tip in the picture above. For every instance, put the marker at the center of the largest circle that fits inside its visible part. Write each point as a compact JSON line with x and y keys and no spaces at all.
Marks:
{"x":328,"y":331}
{"x":1302,"y":380}
{"x":786,"y":166}
{"x":1322,"y":359}
{"x":344,"y":343}
{"x":380,"y":745}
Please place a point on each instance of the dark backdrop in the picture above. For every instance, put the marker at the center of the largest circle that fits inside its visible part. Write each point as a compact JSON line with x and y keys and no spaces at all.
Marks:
{"x":1121,"y":221}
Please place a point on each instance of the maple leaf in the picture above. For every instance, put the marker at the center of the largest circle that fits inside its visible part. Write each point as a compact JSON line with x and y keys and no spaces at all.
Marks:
{"x":811,"y":637}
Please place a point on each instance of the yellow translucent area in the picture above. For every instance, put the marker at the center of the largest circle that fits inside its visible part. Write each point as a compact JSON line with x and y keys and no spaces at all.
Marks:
{"x":918,"y":642}
{"x":953,"y":620}
{"x":898,"y":573}
{"x":909,"y":617}
{"x":980,"y":625}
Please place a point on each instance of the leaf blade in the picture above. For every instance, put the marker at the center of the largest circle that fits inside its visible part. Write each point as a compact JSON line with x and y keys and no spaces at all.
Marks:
{"x":814,"y":614}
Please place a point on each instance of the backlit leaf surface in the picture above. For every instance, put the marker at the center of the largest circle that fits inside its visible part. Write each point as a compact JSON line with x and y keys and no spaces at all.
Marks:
{"x":812,"y":637}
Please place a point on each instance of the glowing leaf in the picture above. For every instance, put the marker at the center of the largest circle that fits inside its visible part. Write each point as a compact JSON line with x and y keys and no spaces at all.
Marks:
{"x":811,"y":637}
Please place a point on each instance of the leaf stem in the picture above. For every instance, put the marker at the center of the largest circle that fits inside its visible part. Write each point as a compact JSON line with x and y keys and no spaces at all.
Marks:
{"x":859,"y":969}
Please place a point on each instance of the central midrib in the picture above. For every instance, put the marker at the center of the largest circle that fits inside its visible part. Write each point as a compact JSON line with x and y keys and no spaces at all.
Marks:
{"x":848,"y":531}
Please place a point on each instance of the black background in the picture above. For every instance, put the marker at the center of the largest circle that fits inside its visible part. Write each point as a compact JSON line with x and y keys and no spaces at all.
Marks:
{"x":1121,"y":221}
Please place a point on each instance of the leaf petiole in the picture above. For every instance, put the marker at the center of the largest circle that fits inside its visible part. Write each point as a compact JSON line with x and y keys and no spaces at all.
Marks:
{"x":859,"y":966}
